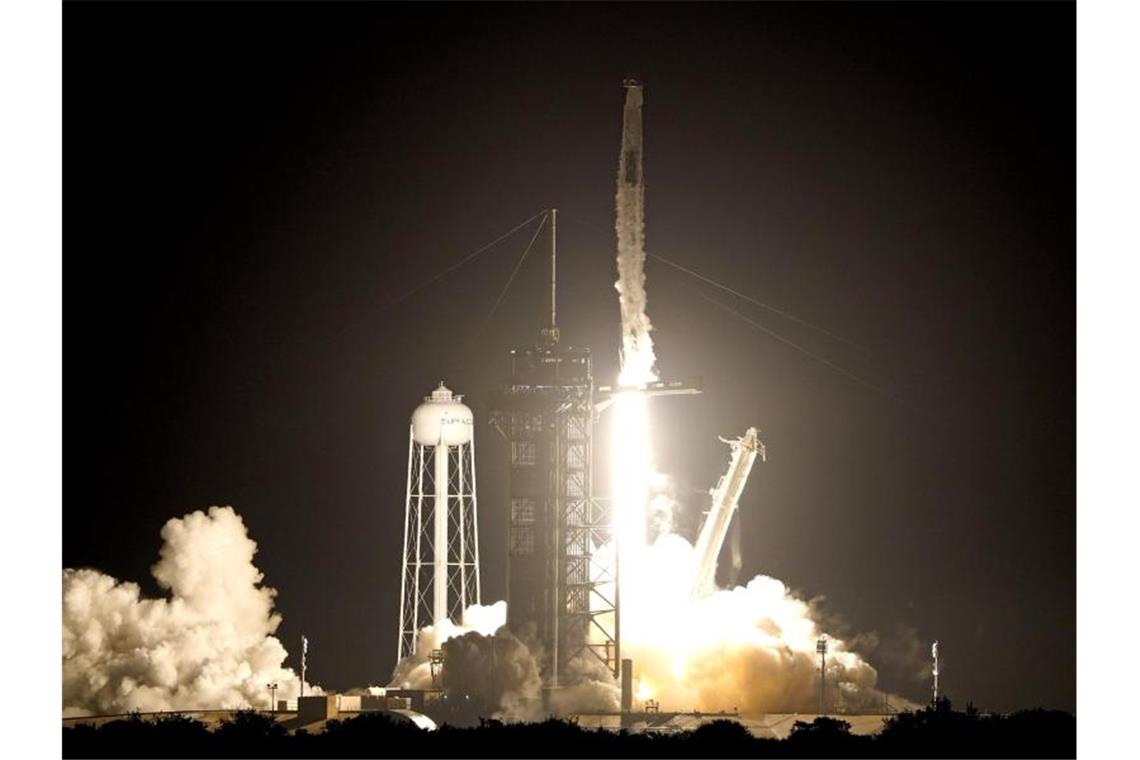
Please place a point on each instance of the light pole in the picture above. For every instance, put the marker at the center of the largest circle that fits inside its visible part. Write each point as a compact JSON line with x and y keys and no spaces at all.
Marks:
{"x":821,"y":649}
{"x":272,"y":697}
{"x":304,"y":656}
{"x":934,"y":654}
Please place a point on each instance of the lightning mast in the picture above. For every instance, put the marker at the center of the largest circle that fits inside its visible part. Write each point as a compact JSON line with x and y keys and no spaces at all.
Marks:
{"x":556,"y":581}
{"x":550,"y":335}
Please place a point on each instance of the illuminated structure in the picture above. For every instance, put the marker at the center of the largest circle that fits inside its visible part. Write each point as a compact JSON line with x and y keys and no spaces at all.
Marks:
{"x":563,"y":555}
{"x":557,"y":587}
{"x":441,"y":549}
{"x":561,"y":588}
{"x":726,"y":496}
{"x":934,"y":669}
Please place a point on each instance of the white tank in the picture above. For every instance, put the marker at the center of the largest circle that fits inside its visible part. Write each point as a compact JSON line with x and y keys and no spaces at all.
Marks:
{"x":442,"y":418}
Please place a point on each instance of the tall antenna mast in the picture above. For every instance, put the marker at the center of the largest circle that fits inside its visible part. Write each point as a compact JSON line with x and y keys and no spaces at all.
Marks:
{"x":550,"y":334}
{"x":553,"y":266}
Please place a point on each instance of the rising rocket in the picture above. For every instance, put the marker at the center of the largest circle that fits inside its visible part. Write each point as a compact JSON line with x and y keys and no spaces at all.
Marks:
{"x":629,"y":165}
{"x":637,"y":358}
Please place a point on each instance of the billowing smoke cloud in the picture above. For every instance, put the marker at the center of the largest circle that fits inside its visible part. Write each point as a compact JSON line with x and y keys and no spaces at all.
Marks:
{"x":736,"y":557}
{"x":484,"y":664}
{"x":748,"y":647}
{"x":587,"y":686}
{"x":414,"y":671}
{"x":901,"y":651}
{"x":210,"y":645}
{"x":494,"y":673}
{"x":497,"y":670}
{"x":637,"y":358}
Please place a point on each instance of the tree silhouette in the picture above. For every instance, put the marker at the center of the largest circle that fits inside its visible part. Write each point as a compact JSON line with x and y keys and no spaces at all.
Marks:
{"x":934,"y":731}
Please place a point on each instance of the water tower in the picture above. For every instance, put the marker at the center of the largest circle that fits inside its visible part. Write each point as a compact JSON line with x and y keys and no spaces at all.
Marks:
{"x":441,"y":546}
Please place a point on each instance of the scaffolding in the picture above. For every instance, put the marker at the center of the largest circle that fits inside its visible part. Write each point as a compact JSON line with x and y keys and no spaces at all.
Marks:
{"x":559,"y":591}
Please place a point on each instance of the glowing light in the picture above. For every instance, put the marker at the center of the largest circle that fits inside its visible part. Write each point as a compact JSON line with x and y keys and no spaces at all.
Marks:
{"x":631,"y":471}
{"x":706,"y":653}
{"x":752,"y":646}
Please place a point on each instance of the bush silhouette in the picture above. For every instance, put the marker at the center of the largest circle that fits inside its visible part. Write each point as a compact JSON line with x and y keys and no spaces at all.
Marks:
{"x":726,"y":736}
{"x":248,"y":733}
{"x":935,"y":731}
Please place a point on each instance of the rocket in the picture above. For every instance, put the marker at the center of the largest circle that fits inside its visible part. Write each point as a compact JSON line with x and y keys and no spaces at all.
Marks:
{"x":636,"y":344}
{"x":629,"y":164}
{"x":725,"y":498}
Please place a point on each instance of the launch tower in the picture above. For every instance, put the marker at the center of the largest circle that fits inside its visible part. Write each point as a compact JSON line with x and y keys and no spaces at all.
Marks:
{"x":558,"y":591}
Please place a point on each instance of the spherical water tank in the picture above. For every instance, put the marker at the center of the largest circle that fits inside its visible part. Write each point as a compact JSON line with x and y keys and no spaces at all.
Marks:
{"x":442,"y":418}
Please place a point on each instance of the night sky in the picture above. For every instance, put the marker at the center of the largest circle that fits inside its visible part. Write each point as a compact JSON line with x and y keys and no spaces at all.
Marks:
{"x":249,"y":188}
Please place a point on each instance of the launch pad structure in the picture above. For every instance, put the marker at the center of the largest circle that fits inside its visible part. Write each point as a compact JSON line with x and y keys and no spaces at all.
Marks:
{"x":556,"y":586}
{"x":563,"y":559}
{"x":560,"y":593}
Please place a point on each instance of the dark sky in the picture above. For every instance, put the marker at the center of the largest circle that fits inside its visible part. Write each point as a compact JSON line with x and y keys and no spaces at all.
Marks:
{"x":249,"y":187}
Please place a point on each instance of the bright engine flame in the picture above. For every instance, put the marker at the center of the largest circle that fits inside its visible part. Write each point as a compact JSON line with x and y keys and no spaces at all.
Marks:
{"x":750,"y":647}
{"x":632,"y":470}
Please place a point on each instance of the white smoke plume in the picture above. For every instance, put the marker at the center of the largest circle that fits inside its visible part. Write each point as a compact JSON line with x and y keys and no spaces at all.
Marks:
{"x":209,"y":645}
{"x":498,"y":672}
{"x":587,"y":686}
{"x":750,"y":647}
{"x":482,"y":659}
{"x":414,"y":671}
{"x":637,"y":358}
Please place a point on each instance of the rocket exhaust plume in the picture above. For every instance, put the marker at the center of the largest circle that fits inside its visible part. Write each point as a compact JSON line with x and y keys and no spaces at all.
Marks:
{"x":631,"y":467}
{"x":210,"y":645}
{"x":750,"y":647}
{"x":695,"y":646}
